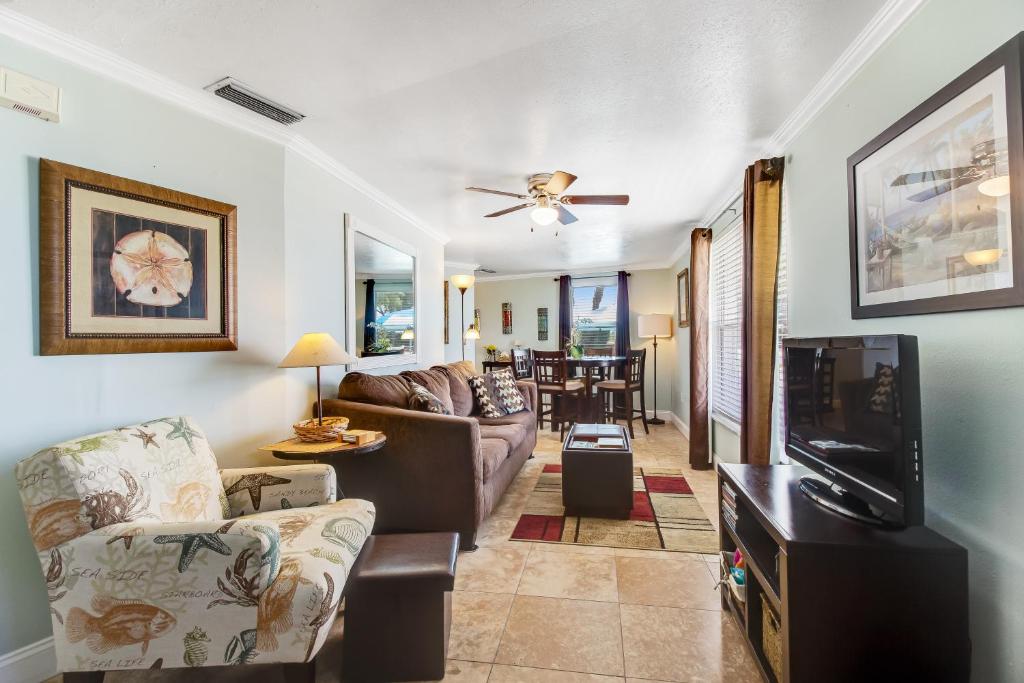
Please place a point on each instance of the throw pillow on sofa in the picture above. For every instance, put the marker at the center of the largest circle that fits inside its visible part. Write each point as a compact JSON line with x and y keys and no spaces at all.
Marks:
{"x":505,"y":393}
{"x":421,"y":399}
{"x":482,"y":397}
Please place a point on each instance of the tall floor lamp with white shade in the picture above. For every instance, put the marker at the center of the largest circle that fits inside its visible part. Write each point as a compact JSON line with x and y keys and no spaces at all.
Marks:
{"x":462,"y":283}
{"x":655,"y":325}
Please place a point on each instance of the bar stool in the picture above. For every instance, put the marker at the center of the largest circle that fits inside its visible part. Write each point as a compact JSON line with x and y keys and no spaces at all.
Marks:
{"x":551,"y":373}
{"x":609,"y":389}
{"x":521,"y":365}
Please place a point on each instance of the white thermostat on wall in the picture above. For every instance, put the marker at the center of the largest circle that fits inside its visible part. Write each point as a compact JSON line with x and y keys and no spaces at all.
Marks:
{"x":29,"y":95}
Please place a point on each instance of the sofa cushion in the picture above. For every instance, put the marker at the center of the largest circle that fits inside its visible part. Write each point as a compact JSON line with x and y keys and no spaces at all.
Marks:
{"x":434,"y":381}
{"x":458,"y":387}
{"x":526,"y":419}
{"x":481,"y":386}
{"x":160,"y":470}
{"x":512,"y":434}
{"x":381,"y":390}
{"x":493,"y":452}
{"x":422,"y":400}
{"x":505,"y":393}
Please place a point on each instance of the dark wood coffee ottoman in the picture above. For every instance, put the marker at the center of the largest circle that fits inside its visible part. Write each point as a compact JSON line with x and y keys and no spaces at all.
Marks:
{"x":596,"y":481}
{"x":398,"y":608}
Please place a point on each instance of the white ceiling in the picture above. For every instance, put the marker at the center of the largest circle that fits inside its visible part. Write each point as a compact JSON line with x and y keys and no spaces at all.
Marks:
{"x":666,"y":100}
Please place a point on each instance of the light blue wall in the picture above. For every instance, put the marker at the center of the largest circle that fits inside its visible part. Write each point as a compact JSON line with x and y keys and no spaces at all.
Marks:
{"x":972,"y":377}
{"x":237,"y":397}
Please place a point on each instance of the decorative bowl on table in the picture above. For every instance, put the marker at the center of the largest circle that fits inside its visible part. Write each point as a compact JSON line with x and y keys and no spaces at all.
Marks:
{"x":314,"y":432}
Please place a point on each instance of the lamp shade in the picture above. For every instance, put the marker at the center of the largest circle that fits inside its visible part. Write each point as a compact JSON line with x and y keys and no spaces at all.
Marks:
{"x":315,"y":350}
{"x":654,"y":325}
{"x":408,"y":333}
{"x":472,"y":333}
{"x":463,"y":281}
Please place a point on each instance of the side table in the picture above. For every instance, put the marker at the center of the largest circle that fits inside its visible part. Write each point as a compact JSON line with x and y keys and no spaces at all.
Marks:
{"x":325,"y":452}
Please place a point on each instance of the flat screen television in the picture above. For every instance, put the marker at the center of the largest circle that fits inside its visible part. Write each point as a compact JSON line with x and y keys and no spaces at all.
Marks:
{"x":853,"y":416}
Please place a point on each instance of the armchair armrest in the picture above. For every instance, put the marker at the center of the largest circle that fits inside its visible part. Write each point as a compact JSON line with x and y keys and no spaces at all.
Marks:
{"x":258,"y":489}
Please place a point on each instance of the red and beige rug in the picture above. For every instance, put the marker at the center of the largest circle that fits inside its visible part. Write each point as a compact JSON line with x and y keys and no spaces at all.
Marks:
{"x":666,"y":516}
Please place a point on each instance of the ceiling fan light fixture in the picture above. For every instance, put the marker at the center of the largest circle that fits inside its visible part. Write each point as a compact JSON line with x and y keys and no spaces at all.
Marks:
{"x":544,"y":213}
{"x":995,"y":187}
{"x":983,"y":257}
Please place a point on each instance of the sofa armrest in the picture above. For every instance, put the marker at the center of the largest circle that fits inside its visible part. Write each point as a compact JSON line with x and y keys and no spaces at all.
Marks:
{"x":259,"y":489}
{"x":528,"y":388}
{"x":427,"y":477}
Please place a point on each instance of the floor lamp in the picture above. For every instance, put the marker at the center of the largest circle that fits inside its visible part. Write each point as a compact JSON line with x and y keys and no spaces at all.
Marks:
{"x":655,"y":325}
{"x":463,"y":282}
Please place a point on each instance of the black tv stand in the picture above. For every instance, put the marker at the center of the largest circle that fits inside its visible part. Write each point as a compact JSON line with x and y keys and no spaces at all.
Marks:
{"x":839,"y":501}
{"x":850,"y":601}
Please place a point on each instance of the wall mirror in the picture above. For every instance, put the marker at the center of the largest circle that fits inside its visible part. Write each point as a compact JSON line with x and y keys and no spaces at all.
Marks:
{"x":382,"y":295}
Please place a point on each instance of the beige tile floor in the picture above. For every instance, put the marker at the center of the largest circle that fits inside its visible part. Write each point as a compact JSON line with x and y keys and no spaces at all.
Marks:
{"x":552,"y":613}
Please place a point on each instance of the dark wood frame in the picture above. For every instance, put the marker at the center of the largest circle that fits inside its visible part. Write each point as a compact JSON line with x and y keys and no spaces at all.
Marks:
{"x":1009,"y":56}
{"x":684,"y":311}
{"x":55,"y":337}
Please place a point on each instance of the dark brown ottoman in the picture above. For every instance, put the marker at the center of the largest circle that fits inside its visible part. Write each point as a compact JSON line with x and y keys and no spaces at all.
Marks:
{"x":597,"y":481}
{"x":398,"y":608}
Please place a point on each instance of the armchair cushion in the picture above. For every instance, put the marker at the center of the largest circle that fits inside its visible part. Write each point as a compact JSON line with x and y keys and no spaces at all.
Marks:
{"x":162,"y":470}
{"x":255,"y":489}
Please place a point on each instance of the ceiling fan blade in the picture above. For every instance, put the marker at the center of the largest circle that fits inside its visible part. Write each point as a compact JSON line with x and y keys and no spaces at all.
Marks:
{"x":505,"y":194}
{"x":931,"y":176}
{"x":603,"y":199}
{"x":559,"y":182}
{"x":564,"y":216}
{"x":509,"y":210}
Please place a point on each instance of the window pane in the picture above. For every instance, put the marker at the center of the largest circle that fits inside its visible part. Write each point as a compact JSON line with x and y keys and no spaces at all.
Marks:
{"x":395,"y":313}
{"x":594,"y":313}
{"x":727,"y":324}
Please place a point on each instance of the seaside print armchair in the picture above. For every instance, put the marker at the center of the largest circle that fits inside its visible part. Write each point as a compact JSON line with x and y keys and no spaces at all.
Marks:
{"x":154,"y":558}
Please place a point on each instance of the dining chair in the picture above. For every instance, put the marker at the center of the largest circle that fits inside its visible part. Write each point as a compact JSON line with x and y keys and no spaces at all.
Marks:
{"x":616,"y":395}
{"x":521,"y":363}
{"x":551,"y":373}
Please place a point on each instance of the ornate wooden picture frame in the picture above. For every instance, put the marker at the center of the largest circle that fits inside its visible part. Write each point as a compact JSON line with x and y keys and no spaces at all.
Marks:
{"x":683,"y":296}
{"x":446,"y":315}
{"x":127,"y":267}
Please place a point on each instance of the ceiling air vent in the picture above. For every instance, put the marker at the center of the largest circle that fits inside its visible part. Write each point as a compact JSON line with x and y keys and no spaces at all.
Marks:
{"x":243,"y":96}
{"x":487,"y":270}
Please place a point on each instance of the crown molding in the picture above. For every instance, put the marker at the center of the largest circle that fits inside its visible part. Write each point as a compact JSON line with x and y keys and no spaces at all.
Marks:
{"x":886,"y":23}
{"x":93,"y":58}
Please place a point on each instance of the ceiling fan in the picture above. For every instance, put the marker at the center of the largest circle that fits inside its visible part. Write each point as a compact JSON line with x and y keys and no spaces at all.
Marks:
{"x":544,"y":192}
{"x":988,"y":160}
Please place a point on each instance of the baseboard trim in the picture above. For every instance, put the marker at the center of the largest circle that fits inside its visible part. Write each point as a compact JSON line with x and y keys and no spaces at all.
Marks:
{"x":32,"y":663}
{"x":671,"y":418}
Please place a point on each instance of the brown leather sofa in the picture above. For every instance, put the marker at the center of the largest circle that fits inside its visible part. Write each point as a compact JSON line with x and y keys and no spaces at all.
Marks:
{"x":436,"y":472}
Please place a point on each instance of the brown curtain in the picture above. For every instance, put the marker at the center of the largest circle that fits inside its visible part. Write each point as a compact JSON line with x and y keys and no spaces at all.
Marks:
{"x":622,"y":334}
{"x":762,"y":217}
{"x":564,"y":310}
{"x":700,"y":360}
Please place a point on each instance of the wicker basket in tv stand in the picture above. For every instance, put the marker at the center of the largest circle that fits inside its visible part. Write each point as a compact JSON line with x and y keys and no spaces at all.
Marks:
{"x":855,"y":602}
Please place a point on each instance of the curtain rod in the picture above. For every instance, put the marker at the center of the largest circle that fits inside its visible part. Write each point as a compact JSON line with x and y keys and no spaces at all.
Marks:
{"x":592,"y":277}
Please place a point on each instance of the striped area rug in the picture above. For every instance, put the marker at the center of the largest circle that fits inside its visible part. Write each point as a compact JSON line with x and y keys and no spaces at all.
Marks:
{"x":666,"y":516}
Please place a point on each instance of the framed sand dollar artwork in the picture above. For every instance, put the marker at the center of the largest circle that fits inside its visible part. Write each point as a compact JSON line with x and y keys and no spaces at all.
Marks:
{"x":126,"y":267}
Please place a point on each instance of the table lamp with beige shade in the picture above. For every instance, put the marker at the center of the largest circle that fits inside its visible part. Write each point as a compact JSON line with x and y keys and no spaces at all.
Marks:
{"x":315,"y":350}
{"x":654,"y":325}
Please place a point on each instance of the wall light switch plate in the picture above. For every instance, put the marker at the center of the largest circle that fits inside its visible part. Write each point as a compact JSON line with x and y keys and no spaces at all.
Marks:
{"x":29,"y":95}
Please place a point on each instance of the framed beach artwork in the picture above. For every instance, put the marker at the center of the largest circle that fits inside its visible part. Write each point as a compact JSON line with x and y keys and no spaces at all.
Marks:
{"x":936,"y":202}
{"x":126,"y":267}
{"x":683,"y":296}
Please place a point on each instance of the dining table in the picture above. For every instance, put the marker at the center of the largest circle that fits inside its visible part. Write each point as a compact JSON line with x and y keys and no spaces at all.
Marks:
{"x":593,"y":369}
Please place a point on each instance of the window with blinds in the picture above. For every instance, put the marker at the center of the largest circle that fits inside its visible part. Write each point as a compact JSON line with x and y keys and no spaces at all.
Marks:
{"x":727,"y":324}
{"x":594,"y":305}
{"x":781,"y":329}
